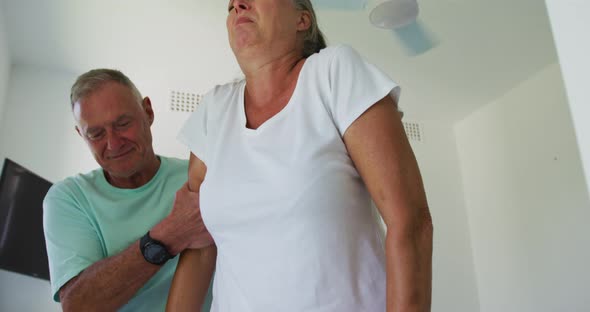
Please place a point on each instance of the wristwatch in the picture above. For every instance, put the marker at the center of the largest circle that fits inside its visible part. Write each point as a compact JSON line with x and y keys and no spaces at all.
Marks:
{"x":154,"y":251}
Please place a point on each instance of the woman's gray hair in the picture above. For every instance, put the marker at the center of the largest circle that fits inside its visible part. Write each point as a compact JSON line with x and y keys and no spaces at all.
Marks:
{"x":93,"y":80}
{"x":314,"y":40}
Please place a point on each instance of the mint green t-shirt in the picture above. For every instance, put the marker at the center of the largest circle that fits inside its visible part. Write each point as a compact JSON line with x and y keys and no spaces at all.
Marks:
{"x":86,"y":219}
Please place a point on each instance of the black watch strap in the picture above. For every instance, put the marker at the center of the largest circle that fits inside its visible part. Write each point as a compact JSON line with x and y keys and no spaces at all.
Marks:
{"x":154,"y":251}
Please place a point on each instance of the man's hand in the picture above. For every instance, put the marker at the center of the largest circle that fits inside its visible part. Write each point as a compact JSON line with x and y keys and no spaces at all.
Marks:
{"x":184,"y":227}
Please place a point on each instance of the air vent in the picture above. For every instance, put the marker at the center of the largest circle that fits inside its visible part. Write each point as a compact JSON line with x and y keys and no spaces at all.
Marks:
{"x":414,"y":131}
{"x":184,"y":101}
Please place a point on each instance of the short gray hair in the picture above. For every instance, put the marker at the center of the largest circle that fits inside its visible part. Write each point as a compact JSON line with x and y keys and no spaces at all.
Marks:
{"x":95,"y":79}
{"x":314,"y":40}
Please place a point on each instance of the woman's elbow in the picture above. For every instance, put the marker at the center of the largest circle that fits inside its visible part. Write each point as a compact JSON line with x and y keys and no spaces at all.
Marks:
{"x":417,"y":228}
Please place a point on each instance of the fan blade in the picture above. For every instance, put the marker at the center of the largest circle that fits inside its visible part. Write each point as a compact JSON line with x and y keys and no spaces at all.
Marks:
{"x":340,"y":4}
{"x":415,"y":38}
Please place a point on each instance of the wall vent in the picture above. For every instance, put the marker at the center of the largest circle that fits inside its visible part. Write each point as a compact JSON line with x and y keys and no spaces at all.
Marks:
{"x":184,"y":101}
{"x":414,"y":131}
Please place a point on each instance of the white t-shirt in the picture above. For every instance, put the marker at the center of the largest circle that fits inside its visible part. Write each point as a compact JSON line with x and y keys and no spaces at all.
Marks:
{"x":290,"y":215}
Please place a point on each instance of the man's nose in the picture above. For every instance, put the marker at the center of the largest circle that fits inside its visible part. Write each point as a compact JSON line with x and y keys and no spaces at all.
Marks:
{"x":114,"y":141}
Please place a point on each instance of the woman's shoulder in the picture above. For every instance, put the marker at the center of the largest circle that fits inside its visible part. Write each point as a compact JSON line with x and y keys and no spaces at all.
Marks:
{"x":222,"y":95}
{"x":225,"y":90}
{"x":337,"y":49}
{"x":215,"y":102}
{"x":336,"y":52}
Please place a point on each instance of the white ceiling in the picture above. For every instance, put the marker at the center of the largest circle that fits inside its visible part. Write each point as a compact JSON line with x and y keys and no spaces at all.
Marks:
{"x":484,"y":48}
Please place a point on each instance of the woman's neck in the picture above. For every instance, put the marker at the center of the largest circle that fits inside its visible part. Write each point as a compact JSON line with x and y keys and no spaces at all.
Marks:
{"x":270,"y":78}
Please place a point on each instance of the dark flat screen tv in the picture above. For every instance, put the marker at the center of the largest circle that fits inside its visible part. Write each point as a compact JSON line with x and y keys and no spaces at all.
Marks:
{"x":22,"y":242}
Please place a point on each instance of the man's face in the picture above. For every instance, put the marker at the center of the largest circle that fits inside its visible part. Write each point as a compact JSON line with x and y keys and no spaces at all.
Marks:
{"x":117,"y":129}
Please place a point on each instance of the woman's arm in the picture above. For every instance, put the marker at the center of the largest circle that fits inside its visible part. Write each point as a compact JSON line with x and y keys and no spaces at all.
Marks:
{"x":380,"y":150}
{"x":195,"y":266}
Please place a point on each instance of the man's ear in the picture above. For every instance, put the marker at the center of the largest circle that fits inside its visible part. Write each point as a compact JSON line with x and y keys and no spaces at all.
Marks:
{"x":304,"y":22}
{"x":147,"y":108}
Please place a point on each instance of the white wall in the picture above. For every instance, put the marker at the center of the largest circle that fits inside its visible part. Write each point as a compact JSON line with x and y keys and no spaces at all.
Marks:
{"x":526,"y":199}
{"x":37,"y":132}
{"x":32,"y":135}
{"x":4,"y":65}
{"x":454,"y":283}
{"x":570,"y":20}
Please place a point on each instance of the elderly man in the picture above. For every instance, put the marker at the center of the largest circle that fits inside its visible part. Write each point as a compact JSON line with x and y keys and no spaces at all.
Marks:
{"x":112,"y":234}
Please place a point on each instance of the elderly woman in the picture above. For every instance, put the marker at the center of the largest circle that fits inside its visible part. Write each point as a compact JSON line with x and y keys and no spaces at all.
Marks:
{"x":287,"y":162}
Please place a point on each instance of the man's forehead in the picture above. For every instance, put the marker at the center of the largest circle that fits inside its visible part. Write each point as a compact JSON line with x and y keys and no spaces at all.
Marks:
{"x":87,"y":115}
{"x":99,"y":123}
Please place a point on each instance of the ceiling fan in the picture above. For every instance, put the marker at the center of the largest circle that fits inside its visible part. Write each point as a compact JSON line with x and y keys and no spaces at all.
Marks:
{"x":399,"y":16}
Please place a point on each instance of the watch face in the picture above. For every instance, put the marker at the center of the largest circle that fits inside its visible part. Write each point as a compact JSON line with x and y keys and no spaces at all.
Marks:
{"x":155,"y":253}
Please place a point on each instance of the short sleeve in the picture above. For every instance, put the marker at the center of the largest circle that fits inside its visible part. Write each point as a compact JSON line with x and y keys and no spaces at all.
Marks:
{"x":355,"y":85}
{"x":71,"y":240}
{"x":193,"y":133}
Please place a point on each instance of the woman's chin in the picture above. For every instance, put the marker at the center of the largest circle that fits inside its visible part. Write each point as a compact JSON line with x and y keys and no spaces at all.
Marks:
{"x":243,"y":45}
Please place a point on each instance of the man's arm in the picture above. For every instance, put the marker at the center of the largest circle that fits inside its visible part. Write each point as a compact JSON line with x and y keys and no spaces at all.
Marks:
{"x":195,"y":267}
{"x":110,"y":283}
{"x":380,"y":150}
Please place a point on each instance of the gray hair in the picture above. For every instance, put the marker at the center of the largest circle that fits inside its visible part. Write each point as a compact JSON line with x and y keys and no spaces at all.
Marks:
{"x":314,"y":40}
{"x":93,"y":80}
